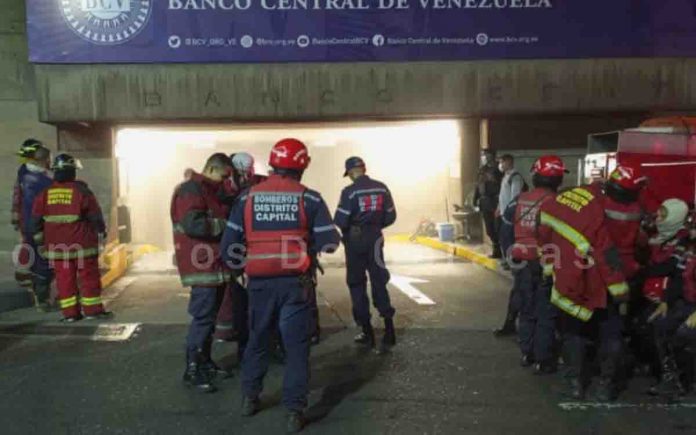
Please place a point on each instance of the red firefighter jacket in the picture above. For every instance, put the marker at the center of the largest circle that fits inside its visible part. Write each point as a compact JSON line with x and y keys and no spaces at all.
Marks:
{"x":668,"y":266}
{"x":623,"y":223}
{"x":198,"y":218}
{"x":584,"y":261}
{"x":275,"y":224}
{"x":526,"y":221}
{"x":67,"y":219}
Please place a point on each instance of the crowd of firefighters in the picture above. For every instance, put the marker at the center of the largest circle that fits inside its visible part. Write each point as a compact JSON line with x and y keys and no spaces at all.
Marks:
{"x":600,"y":285}
{"x":246,"y":245}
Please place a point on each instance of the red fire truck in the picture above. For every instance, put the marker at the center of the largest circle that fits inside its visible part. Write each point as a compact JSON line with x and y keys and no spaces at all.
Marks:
{"x":664,"y":148}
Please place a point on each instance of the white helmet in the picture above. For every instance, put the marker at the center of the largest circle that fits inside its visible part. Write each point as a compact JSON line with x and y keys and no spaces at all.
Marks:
{"x":243,"y":163}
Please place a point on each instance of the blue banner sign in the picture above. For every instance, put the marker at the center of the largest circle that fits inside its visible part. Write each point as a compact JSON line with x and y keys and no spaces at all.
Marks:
{"x":198,"y":31}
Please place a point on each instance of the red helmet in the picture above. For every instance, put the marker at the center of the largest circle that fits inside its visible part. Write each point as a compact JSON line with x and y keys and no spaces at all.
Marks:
{"x":289,"y":154}
{"x":549,"y":166}
{"x":627,"y":177}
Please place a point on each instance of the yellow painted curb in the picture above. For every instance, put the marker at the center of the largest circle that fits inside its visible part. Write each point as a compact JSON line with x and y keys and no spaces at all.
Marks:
{"x":458,"y":251}
{"x":143,"y":250}
{"x":117,"y":260}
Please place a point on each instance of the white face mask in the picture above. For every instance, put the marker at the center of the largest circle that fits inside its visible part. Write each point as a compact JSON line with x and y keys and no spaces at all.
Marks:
{"x":501,"y":167}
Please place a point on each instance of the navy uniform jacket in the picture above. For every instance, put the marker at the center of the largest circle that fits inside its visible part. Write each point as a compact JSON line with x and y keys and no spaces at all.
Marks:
{"x":323,"y":236}
{"x":31,"y":185}
{"x":367,"y":204}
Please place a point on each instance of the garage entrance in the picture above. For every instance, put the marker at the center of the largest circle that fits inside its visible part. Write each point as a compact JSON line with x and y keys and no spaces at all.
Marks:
{"x":418,"y":160}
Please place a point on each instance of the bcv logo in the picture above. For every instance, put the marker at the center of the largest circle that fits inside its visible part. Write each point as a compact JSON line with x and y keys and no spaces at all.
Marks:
{"x":106,"y":9}
{"x":106,"y":22}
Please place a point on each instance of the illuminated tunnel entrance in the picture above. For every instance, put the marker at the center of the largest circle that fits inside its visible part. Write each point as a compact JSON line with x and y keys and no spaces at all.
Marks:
{"x":418,"y":160}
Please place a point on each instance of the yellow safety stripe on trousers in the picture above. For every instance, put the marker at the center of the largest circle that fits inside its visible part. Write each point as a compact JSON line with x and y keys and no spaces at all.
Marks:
{"x":62,"y":219}
{"x":202,"y":279}
{"x":91,"y":301}
{"x":72,"y":255}
{"x":569,"y":306}
{"x":39,"y":238}
{"x":567,"y":232}
{"x":618,"y":289}
{"x":68,"y":302}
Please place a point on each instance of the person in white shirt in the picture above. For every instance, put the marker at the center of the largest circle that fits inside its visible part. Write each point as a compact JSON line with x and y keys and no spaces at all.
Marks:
{"x":513,"y":182}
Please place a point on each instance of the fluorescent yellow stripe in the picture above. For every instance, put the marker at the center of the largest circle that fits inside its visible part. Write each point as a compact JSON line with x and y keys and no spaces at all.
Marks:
{"x":202,"y":279}
{"x":62,"y":219}
{"x":72,"y":255}
{"x":39,"y":238}
{"x":619,"y":289}
{"x":91,"y":301}
{"x":567,"y":232}
{"x":67,"y":303}
{"x":60,"y":191}
{"x":569,"y":306}
{"x":548,"y":269}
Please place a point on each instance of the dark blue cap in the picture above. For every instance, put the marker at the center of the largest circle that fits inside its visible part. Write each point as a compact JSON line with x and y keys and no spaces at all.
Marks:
{"x":353,"y":162}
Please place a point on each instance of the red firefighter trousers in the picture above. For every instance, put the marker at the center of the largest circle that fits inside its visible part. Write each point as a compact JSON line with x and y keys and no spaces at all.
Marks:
{"x":88,"y":297}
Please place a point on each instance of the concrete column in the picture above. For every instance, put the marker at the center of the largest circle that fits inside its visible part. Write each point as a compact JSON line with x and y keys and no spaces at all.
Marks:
{"x":470,"y":133}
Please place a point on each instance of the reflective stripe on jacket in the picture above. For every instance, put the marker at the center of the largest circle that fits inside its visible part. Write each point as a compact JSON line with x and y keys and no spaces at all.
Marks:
{"x":586,"y":264}
{"x":67,"y":219}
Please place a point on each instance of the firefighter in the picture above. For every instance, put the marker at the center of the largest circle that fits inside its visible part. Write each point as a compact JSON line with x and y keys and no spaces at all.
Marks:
{"x":271,"y":232}
{"x":588,"y":282}
{"x":68,"y":222}
{"x":537,"y":319}
{"x":624,"y":213}
{"x":676,"y":303}
{"x":31,"y":183}
{"x":198,"y":217}
{"x":23,"y":254}
{"x":365,"y":208}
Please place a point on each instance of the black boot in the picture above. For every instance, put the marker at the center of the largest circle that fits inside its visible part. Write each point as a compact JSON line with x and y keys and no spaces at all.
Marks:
{"x":574,"y":347}
{"x":547,"y":367}
{"x":670,"y":385}
{"x":250,"y":406}
{"x":215,"y":371}
{"x":576,"y":388}
{"x":195,"y":376}
{"x":296,"y":422}
{"x":366,"y":337}
{"x":389,"y":339}
{"x":509,"y":328}
{"x":607,"y":390}
{"x":526,"y":360}
{"x":209,"y":366}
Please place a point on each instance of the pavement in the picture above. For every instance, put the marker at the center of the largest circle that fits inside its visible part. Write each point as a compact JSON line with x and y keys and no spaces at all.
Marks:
{"x":446,"y":375}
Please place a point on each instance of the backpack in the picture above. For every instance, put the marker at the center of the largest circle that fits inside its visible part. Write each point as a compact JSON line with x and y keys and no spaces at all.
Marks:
{"x":525,"y":186}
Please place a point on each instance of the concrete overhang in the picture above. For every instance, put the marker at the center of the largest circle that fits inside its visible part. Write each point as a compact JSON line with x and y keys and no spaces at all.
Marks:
{"x":302,"y":92}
